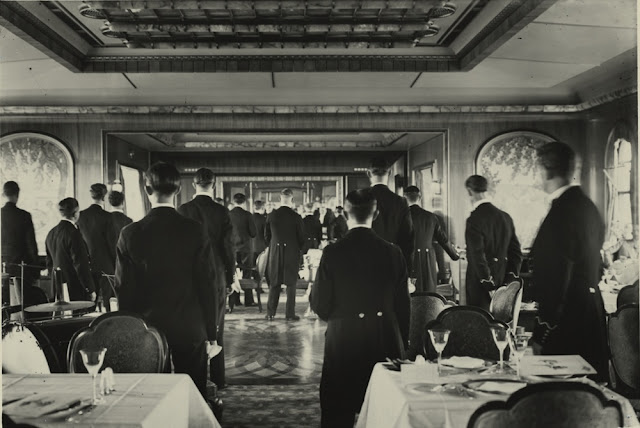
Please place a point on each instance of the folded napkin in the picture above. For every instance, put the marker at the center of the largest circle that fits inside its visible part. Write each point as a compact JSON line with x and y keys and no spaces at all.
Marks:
{"x":463,"y":362}
{"x":37,"y":405}
{"x":501,"y":387}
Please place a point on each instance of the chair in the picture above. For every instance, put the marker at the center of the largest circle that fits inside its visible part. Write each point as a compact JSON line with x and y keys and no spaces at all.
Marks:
{"x":425,"y":307}
{"x":505,"y":304}
{"x":550,"y":404}
{"x":628,"y":294}
{"x":470,"y":333}
{"x":132,"y":346}
{"x":624,"y":343}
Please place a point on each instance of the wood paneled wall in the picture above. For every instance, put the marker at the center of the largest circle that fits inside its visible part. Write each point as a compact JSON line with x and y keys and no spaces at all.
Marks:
{"x":118,"y":151}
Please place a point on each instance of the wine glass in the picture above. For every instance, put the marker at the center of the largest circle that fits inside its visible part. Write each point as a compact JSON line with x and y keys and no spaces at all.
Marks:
{"x":500,"y":337}
{"x":93,"y":359}
{"x":518,"y":345}
{"x":439,"y":339}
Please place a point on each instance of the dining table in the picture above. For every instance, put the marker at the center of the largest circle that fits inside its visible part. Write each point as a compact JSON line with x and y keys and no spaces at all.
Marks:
{"x":421,"y":396}
{"x":138,"y":400}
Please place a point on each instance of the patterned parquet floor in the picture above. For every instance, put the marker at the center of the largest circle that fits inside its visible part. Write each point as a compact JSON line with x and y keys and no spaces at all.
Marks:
{"x":272,"y":367}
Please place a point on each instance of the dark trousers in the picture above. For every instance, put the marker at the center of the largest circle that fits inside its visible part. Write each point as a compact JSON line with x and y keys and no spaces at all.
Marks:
{"x":274,"y":298}
{"x":216,"y":365}
{"x":478,"y":295}
{"x":337,"y":417}
{"x":191,"y":359}
{"x":245,"y":263}
{"x":103,"y":289}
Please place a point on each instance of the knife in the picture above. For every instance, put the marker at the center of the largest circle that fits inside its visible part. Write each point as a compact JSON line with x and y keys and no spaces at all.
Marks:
{"x":70,"y":406}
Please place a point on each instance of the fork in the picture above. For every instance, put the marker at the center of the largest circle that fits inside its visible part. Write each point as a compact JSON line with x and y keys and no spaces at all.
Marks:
{"x":81,"y":411}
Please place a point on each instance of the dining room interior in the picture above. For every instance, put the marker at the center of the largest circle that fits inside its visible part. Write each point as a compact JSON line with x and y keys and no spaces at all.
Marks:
{"x":291,"y":103}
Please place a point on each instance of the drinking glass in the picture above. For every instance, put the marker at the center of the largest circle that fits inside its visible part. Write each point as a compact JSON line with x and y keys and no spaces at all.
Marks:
{"x":93,"y":359}
{"x":500,"y":337}
{"x":439,"y":339}
{"x":519,"y":344}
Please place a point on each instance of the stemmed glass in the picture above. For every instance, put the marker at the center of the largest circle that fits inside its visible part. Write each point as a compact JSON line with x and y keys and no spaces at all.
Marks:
{"x":500,"y":337}
{"x":93,"y":359}
{"x":519,"y":343}
{"x":439,"y":339}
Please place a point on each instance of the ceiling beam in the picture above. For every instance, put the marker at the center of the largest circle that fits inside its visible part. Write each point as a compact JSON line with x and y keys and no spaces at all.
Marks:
{"x":519,"y":13}
{"x":18,"y":20}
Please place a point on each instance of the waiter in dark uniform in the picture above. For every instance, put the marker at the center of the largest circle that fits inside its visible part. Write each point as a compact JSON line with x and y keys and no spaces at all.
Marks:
{"x":118,"y":218}
{"x":361,"y":291}
{"x":244,"y":230}
{"x":393,"y":223}
{"x":96,"y":226}
{"x":427,"y":230}
{"x":493,"y":250}
{"x":566,"y":256}
{"x":284,"y":233}
{"x":67,"y":250}
{"x":18,"y":236}
{"x":216,"y":223}
{"x":312,"y":229}
{"x":259,"y":244}
{"x":164,"y":273}
{"x":340,"y":227}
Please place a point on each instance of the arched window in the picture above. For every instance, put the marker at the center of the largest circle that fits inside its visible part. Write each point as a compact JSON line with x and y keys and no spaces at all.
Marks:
{"x":44,"y":170}
{"x":621,"y":175}
{"x":508,"y":162}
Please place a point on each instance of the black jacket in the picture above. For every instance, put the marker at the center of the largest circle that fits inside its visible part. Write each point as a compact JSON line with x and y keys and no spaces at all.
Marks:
{"x":284,"y":234}
{"x":493,"y":252}
{"x":340,"y":227}
{"x":164,"y":273}
{"x":18,"y":240}
{"x":67,"y":250}
{"x":217,"y":226}
{"x":96,"y":226}
{"x":566,"y":272}
{"x":393,"y":223}
{"x":119,"y":221}
{"x":361,"y":290}
{"x":259,"y":244}
{"x":427,"y":230}
{"x":244,"y":230}
{"x":312,"y":232}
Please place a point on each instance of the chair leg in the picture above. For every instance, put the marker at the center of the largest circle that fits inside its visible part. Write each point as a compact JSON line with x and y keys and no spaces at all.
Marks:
{"x":258,"y":298}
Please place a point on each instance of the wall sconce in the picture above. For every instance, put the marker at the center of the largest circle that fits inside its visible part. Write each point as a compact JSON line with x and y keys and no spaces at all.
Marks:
{"x":436,"y":187}
{"x":131,"y":154}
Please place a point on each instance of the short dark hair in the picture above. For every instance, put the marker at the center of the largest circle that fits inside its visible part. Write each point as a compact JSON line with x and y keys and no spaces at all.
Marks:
{"x":339,"y":209}
{"x":162,"y":178}
{"x":361,"y":204}
{"x":476,"y":183}
{"x":239,"y":198}
{"x":204,"y":177}
{"x":379,"y":167}
{"x":286,"y":192}
{"x":68,"y":207}
{"x":258,"y":204}
{"x":98,"y":191}
{"x":10,"y":188}
{"x":412,"y":193}
{"x":557,"y":159}
{"x":116,"y":198}
{"x":309,"y":206}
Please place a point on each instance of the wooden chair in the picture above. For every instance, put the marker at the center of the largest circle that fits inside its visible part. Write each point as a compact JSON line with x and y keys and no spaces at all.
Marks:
{"x":624,"y":343}
{"x":470,"y":334}
{"x":425,"y":307}
{"x":550,"y":404}
{"x":132,"y":346}
{"x":628,"y":294}
{"x":505,"y":304}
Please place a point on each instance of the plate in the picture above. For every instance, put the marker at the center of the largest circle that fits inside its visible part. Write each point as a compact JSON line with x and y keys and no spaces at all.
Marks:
{"x":463,"y":362}
{"x":495,"y":386}
{"x":422,"y":388}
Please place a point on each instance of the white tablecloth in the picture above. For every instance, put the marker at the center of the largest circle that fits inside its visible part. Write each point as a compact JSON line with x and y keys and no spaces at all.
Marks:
{"x":389,"y":404}
{"x":140,"y":400}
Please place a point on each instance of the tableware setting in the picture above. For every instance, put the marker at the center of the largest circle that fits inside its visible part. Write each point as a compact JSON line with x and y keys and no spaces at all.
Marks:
{"x":92,"y":360}
{"x":463,"y":362}
{"x":439,"y":338}
{"x":495,"y":386}
{"x":500,"y":337}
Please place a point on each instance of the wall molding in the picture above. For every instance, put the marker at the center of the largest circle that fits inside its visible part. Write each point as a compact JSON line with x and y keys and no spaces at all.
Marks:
{"x":322,"y":109}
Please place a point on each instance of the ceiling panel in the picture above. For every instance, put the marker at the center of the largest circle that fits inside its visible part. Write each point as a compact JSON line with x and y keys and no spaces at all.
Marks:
{"x":567,"y":44}
{"x":47,"y":74}
{"x":12,"y":48}
{"x":617,"y":13}
{"x":499,"y":73}
{"x":200,"y":81}
{"x":372,"y":80}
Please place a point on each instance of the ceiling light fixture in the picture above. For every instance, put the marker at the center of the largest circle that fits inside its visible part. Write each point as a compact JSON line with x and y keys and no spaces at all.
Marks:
{"x":89,"y":12}
{"x":444,"y":10}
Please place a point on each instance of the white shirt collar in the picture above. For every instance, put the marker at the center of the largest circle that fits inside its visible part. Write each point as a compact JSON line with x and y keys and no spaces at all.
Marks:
{"x":202,"y":194}
{"x":162,"y":204}
{"x":117,"y":210}
{"x":476,"y":204}
{"x":555,"y":195}
{"x":71,"y":221}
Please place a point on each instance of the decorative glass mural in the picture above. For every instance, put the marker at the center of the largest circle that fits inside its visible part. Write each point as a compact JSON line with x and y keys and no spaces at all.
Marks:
{"x":508,"y":162}
{"x":43,"y":168}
